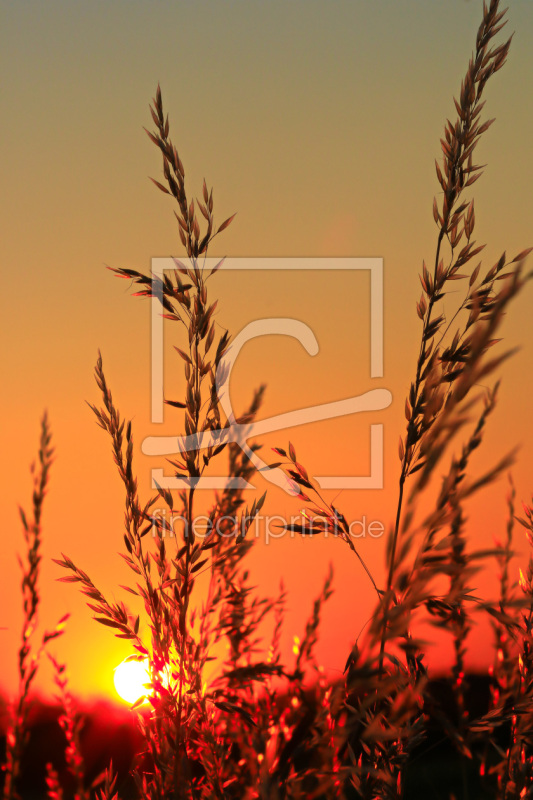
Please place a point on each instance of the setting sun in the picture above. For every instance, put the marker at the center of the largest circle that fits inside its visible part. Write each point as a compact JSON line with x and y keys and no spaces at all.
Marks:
{"x":130,"y":680}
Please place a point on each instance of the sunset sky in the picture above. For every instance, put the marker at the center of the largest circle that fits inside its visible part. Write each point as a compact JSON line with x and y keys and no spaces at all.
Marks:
{"x":318,"y":123}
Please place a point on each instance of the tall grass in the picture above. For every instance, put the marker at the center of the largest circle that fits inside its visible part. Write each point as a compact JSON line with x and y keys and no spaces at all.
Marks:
{"x":262,"y":728}
{"x":31,"y":646}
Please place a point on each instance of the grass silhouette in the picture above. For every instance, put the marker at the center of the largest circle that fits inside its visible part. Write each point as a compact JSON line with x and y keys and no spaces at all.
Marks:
{"x":260,"y":728}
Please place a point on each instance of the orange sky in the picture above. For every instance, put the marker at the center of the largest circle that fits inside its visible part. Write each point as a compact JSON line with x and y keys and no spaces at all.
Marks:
{"x":319,"y":125}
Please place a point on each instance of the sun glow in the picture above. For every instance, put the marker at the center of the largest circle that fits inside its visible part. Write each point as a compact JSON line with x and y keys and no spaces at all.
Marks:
{"x":130,"y":680}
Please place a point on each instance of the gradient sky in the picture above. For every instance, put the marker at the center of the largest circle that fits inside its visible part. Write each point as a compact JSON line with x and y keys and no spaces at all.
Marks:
{"x":319,"y":124}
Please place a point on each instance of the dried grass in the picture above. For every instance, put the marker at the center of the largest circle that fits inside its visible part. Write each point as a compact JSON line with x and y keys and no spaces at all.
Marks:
{"x":261,"y":728}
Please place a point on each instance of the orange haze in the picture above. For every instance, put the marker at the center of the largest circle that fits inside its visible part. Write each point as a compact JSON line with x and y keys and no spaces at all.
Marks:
{"x":320,"y":129}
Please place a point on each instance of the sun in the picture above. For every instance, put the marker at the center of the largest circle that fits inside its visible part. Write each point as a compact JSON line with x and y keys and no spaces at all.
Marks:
{"x":131,"y":678}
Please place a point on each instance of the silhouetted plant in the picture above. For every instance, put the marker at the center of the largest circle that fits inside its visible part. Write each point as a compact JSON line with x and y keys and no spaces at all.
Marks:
{"x":261,"y":728}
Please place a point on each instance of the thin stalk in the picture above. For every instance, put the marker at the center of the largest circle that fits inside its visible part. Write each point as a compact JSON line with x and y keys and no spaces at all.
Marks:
{"x":406,"y":461}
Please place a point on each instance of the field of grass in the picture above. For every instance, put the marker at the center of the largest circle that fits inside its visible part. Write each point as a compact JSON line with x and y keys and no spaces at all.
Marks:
{"x":255,"y":727}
